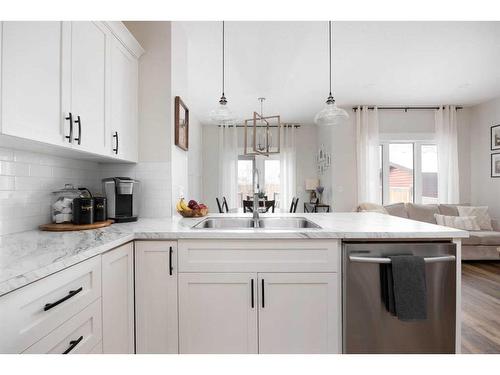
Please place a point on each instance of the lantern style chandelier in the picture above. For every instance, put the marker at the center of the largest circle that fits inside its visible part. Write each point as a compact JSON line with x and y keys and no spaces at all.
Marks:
{"x":330,"y":114}
{"x":264,"y":129}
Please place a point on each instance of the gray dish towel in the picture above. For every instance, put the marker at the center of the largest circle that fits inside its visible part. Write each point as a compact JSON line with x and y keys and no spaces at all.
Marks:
{"x":410,"y":294}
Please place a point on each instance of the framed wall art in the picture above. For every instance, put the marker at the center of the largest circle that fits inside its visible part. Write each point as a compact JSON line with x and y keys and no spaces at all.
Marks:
{"x":495,"y":137}
{"x":495,"y":165}
{"x":181,"y":124}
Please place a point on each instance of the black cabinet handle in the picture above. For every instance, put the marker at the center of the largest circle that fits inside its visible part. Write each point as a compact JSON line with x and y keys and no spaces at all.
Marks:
{"x":70,"y":136}
{"x":263,"y":305}
{"x":73,"y":344}
{"x":252,"y":293}
{"x":71,"y":293}
{"x":79,"y":122}
{"x":170,"y":266}
{"x":115,"y":150}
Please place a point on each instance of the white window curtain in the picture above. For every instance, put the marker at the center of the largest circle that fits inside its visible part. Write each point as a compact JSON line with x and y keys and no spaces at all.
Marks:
{"x":288,"y":183}
{"x":228,"y":164}
{"x":447,"y":143}
{"x":367,"y":137}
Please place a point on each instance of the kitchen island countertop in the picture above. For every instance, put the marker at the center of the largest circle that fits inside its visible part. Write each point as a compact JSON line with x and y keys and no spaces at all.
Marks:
{"x":29,"y":256}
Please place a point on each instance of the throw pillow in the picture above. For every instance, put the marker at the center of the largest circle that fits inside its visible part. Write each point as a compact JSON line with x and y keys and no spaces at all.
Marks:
{"x":458,"y":222}
{"x":481,"y":213}
{"x":371,"y":207}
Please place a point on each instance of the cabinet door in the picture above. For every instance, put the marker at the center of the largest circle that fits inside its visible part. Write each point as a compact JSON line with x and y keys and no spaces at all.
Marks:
{"x":88,"y":58}
{"x":123,"y":83}
{"x":156,"y":297}
{"x":118,"y":300}
{"x":31,"y":81}
{"x":299,"y":313}
{"x":216,"y":313}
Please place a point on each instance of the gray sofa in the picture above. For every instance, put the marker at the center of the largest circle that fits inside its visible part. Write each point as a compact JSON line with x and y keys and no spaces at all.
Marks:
{"x":481,"y":245}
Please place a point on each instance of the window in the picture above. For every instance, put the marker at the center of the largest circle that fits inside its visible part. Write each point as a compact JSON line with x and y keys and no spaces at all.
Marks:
{"x":245,"y":178}
{"x":269,"y":173}
{"x":429,"y":174}
{"x":272,"y":179}
{"x":409,"y":172}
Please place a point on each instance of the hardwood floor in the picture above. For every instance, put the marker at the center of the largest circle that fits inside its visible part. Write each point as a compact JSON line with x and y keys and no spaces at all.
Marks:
{"x":481,"y":307}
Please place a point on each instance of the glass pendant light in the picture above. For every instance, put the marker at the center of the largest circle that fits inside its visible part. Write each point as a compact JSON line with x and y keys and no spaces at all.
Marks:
{"x":222,"y":115}
{"x":330,"y":114}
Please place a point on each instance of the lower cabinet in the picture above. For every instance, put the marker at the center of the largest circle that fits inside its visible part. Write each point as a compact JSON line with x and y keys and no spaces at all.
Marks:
{"x":299,"y":313}
{"x":118,"y":300}
{"x":78,"y":335}
{"x":156,"y":297}
{"x":259,"y":313}
{"x":218,"y":313}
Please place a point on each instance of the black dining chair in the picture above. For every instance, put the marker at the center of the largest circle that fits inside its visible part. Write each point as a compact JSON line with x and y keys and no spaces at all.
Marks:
{"x":223,"y":208}
{"x":293,"y":206}
{"x":247,"y":206}
{"x":269,"y":205}
{"x":219,"y":206}
{"x":224,"y":204}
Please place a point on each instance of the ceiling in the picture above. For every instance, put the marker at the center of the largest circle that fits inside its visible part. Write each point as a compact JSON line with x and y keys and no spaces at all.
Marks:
{"x":382,"y":63}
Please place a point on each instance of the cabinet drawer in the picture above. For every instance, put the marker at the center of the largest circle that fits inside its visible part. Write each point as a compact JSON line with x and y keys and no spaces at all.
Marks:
{"x":79,"y":335}
{"x":259,"y":256}
{"x":33,"y":311}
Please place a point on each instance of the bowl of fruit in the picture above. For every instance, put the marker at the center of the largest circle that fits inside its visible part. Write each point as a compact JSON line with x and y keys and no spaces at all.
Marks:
{"x":191,"y":209}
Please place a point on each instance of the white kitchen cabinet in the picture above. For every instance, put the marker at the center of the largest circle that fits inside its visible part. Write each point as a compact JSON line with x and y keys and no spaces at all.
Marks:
{"x":78,"y":335}
{"x":32,"y":312}
{"x":71,"y":84}
{"x":118,"y":300}
{"x":31,"y":81}
{"x":123,"y":83}
{"x":216,"y":313}
{"x":299,"y":313}
{"x":156,"y":297}
{"x":85,"y":84}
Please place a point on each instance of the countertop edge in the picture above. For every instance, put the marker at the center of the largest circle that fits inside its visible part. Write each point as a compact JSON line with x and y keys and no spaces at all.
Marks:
{"x":31,"y":276}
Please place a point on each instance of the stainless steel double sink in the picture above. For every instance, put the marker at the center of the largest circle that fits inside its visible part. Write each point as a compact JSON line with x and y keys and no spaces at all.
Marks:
{"x":237,"y":223}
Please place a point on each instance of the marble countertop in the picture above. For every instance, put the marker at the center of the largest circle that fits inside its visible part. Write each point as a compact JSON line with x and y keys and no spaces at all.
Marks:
{"x":29,"y":256}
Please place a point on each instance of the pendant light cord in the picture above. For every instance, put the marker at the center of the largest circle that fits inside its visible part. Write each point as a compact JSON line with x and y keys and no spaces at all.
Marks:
{"x":330,"y":52}
{"x":223,"y":26}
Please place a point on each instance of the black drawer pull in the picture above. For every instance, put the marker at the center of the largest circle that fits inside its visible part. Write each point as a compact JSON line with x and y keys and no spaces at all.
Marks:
{"x":79,"y":122}
{"x":71,"y":293}
{"x":73,"y":344}
{"x":263,"y":293}
{"x":252,"y":293}
{"x":170,"y":265}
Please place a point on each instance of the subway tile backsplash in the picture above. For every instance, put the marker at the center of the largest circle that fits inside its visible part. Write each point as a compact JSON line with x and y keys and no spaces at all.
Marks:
{"x":27,"y":180}
{"x":155,"y":185}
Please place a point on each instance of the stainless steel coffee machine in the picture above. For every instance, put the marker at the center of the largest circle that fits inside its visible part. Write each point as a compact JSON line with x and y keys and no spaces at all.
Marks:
{"x":122,"y":197}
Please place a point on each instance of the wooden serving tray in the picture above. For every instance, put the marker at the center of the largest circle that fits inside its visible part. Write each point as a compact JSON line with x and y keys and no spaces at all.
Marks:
{"x":66,"y":227}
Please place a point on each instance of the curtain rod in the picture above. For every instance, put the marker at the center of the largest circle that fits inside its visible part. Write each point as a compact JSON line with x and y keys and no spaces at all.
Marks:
{"x":404,"y":108}
{"x":264,"y":126}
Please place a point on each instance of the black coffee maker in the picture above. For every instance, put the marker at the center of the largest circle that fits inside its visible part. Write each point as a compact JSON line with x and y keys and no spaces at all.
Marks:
{"x":122,"y":198}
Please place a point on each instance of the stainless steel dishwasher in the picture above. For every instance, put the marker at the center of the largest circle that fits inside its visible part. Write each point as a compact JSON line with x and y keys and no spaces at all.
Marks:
{"x":369,"y":328}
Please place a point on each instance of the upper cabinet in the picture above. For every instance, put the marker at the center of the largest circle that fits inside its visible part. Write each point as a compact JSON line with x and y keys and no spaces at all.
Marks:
{"x":86,"y":84}
{"x":31,"y":81}
{"x":71,"y":84}
{"x":123,"y":74}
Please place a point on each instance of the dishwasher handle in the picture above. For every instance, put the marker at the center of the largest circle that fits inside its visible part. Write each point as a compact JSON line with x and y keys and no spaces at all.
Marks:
{"x":445,"y":258}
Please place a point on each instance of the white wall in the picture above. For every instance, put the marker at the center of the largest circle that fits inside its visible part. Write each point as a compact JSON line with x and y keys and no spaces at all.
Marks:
{"x":27,"y":181}
{"x":484,"y":189}
{"x":186,"y":165}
